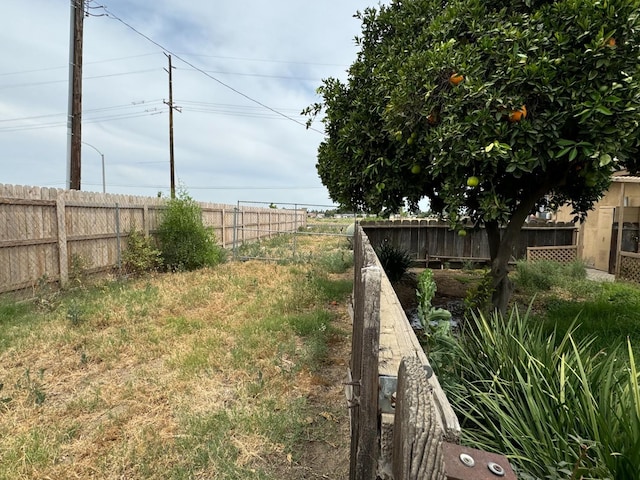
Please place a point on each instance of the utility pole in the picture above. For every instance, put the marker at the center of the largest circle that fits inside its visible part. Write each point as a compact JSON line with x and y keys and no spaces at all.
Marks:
{"x":74,"y":119}
{"x":171,"y":108}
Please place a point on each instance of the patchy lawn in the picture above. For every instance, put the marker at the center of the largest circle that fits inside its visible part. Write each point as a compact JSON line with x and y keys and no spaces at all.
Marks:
{"x":230,"y":373}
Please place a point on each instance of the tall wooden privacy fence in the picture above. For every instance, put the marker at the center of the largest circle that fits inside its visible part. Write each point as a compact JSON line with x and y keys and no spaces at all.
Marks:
{"x":402,"y":425}
{"x":430,"y":240}
{"x":45,"y":233}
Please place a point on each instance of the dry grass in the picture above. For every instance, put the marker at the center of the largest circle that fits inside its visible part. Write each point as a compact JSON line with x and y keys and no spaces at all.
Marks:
{"x":218,"y":373}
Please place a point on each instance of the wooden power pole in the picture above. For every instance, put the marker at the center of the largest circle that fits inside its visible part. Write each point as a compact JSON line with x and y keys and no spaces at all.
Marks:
{"x":171,"y":108}
{"x":74,"y":122}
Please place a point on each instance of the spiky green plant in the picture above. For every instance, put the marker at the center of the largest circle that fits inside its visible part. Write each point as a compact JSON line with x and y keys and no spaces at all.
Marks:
{"x":394,"y":260}
{"x":555,"y":408}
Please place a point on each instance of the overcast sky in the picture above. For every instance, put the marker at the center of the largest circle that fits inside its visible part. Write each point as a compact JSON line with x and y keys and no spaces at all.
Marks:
{"x":227,"y":147}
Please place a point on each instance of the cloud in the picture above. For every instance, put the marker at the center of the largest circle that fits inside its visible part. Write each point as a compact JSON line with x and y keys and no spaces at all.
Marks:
{"x":227,"y":147}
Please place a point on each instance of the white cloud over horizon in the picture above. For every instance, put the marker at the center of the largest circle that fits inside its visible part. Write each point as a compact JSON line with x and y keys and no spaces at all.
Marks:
{"x":227,"y":148}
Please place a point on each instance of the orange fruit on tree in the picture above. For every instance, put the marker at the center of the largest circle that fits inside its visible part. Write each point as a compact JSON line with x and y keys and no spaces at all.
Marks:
{"x":611,"y":42}
{"x":415,"y":169}
{"x":462,"y":233}
{"x":456,"y":78}
{"x":517,"y":115}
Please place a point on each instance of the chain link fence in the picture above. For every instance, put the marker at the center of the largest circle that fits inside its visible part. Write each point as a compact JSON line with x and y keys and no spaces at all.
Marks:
{"x":297,"y":240}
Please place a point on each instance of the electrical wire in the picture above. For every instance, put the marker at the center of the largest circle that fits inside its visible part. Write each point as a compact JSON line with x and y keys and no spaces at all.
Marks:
{"x":110,"y":14}
{"x":50,"y":82}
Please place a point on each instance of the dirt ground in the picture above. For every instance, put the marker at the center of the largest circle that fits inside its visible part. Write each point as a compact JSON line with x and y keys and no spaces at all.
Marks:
{"x":452,"y":285}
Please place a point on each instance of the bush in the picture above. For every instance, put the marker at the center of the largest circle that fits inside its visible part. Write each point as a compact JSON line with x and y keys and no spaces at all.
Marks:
{"x":395,"y":261}
{"x":140,"y":256}
{"x":551,"y":405}
{"x":185,"y":243}
{"x":544,"y":274}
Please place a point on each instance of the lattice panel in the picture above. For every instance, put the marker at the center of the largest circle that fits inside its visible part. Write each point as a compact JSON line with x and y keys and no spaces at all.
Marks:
{"x":630,"y":268}
{"x":562,"y":254}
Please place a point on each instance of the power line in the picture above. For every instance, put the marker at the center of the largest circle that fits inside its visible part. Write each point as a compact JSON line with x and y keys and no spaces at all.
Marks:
{"x":115,"y":17}
{"x":264,"y":60}
{"x":6,"y":74}
{"x":50,"y":82}
{"x":123,"y":116}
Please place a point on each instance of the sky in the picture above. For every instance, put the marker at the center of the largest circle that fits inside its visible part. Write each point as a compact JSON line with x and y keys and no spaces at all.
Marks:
{"x":231,"y":59}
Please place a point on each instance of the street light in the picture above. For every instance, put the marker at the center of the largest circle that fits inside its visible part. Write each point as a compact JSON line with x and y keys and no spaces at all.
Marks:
{"x":104,"y":185}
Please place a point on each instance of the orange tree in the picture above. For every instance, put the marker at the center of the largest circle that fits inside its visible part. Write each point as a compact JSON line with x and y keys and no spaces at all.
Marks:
{"x":490,"y":109}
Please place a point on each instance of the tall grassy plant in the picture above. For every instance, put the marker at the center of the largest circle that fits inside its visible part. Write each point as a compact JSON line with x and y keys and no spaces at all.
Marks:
{"x":185,"y":242}
{"x":556,"y":409}
{"x":544,"y":274}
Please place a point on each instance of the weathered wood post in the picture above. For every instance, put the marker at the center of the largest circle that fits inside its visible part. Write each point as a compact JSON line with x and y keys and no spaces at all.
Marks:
{"x":417,"y":436}
{"x":63,"y":253}
{"x":364,"y":362}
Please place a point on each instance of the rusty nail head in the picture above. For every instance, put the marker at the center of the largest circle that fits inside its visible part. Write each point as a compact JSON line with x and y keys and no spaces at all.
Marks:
{"x":496,"y":469}
{"x":467,"y":459}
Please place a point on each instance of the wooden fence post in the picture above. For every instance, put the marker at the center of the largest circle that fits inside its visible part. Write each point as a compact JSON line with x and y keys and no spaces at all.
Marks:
{"x":417,"y":437}
{"x":364,"y":362}
{"x":63,"y":254}
{"x":367,"y":452}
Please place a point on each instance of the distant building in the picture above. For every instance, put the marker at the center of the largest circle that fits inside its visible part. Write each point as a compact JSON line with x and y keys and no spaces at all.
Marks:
{"x":598,"y":241}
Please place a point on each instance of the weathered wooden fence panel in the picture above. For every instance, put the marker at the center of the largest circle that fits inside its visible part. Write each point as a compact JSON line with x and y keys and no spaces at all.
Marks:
{"x":433,"y":240}
{"x":43,"y":232}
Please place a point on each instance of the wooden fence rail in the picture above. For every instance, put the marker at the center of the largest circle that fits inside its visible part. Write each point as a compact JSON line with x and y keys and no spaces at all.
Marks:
{"x":432,"y":241}
{"x":402,"y":425}
{"x":44,"y":231}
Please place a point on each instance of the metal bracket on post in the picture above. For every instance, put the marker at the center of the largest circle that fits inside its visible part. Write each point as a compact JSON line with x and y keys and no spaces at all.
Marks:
{"x":387,"y":390}
{"x":464,"y":463}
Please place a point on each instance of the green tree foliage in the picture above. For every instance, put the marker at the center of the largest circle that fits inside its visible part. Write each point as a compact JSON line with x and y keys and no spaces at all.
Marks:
{"x":490,"y":109}
{"x":185,"y":243}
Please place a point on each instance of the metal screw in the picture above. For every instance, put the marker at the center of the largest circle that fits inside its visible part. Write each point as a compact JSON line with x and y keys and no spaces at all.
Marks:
{"x":467,"y":460}
{"x":496,"y":469}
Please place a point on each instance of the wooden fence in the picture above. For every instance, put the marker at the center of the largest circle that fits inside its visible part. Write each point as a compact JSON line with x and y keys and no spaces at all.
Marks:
{"x":44,"y":231}
{"x":402,"y":426}
{"x":430,"y":240}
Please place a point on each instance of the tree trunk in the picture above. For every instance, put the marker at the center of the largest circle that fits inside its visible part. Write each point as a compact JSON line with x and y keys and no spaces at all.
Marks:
{"x":500,"y":249}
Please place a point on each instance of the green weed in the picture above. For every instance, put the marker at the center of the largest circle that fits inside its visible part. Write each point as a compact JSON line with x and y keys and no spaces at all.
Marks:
{"x":140,"y":256}
{"x":533,"y":277}
{"x":33,"y":387}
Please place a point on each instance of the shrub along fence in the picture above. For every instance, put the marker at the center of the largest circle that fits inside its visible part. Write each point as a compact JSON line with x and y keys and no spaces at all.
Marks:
{"x":402,"y":426}
{"x":48,"y":234}
{"x":433,"y":241}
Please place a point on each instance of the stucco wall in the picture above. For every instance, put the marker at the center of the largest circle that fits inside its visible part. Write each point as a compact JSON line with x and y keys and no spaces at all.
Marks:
{"x":595,"y":235}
